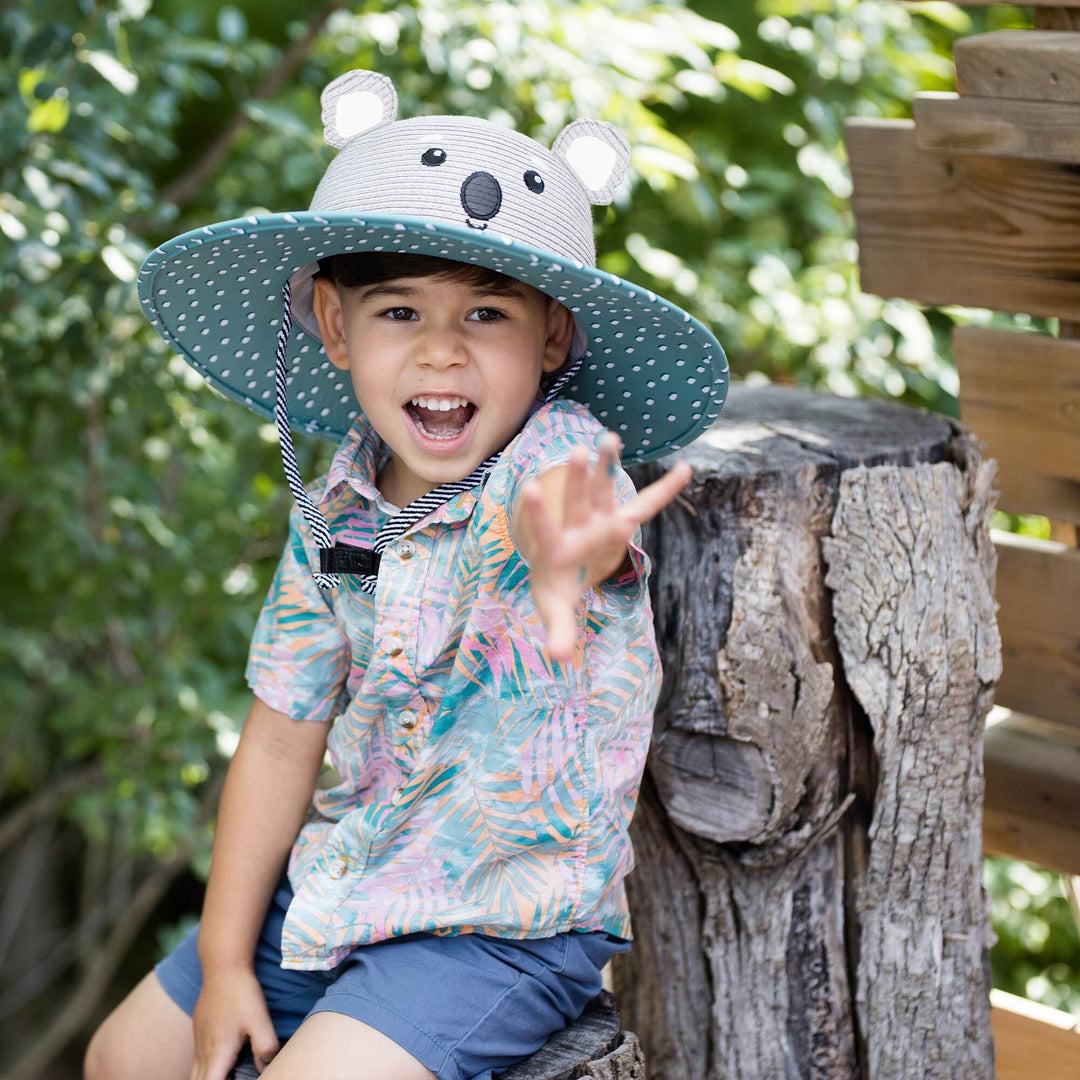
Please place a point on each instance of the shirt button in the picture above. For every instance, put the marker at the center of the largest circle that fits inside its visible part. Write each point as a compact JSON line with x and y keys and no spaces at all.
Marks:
{"x":408,"y":719}
{"x":406,"y":549}
{"x":394,"y":645}
{"x":336,"y":868}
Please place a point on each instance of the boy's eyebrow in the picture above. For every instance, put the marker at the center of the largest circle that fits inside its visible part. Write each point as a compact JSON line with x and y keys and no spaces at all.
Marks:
{"x":512,"y":288}
{"x":391,"y":287}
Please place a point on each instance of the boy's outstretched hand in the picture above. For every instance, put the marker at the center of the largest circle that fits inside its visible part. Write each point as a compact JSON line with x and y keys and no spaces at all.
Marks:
{"x":574,"y":534}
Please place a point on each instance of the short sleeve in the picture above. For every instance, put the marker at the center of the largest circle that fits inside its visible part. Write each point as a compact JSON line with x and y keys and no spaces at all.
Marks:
{"x":548,"y":439}
{"x":628,"y":589}
{"x":299,"y":657}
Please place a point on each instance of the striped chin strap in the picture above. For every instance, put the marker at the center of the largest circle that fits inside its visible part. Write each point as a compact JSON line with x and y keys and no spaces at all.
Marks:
{"x":338,"y":558}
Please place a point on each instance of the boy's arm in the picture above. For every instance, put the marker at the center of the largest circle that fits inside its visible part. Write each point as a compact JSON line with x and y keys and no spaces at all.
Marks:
{"x":266,"y":796}
{"x":573,"y":533}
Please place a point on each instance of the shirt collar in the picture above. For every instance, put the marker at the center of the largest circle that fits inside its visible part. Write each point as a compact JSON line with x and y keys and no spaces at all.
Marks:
{"x":356,"y":462}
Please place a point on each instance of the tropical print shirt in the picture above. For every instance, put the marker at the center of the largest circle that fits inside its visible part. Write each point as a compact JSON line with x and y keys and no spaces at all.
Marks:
{"x":483,"y":788}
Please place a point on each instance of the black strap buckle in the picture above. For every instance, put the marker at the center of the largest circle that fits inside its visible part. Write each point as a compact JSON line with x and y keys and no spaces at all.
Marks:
{"x":348,"y":559}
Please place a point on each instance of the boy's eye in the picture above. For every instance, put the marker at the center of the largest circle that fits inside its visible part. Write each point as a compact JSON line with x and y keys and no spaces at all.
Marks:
{"x":399,"y":314}
{"x":486,"y":314}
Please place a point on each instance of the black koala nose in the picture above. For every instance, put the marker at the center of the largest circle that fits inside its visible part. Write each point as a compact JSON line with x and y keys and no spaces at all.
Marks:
{"x":481,"y":195}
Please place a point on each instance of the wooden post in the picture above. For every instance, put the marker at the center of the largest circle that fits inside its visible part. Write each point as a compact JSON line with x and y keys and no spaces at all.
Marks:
{"x":808,"y":899}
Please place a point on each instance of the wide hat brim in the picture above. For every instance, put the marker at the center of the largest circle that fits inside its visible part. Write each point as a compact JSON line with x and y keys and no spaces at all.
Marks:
{"x":652,"y":373}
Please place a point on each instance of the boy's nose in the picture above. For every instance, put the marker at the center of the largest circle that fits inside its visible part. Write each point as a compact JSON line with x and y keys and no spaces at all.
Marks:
{"x":481,"y":195}
{"x":442,"y":348}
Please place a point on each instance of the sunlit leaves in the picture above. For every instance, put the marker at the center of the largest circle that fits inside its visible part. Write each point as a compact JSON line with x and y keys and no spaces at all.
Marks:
{"x":1037,"y":940}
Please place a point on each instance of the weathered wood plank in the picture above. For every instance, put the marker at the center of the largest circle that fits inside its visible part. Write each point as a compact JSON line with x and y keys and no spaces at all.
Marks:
{"x":1033,"y":1042}
{"x":1032,"y":810}
{"x":1033,"y":65}
{"x":1040,"y":130}
{"x":1020,"y":394}
{"x":1058,"y":17}
{"x":971,"y":229}
{"x":1033,"y":839}
{"x":1038,"y":587}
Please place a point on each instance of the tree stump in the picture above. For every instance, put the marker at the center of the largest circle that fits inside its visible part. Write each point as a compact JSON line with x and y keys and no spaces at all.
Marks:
{"x":808,"y":900}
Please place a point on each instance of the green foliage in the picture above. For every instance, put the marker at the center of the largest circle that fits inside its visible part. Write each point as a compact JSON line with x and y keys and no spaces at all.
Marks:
{"x":1038,"y":951}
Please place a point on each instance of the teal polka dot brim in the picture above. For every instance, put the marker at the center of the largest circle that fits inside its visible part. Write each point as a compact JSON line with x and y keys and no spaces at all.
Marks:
{"x":651,"y":373}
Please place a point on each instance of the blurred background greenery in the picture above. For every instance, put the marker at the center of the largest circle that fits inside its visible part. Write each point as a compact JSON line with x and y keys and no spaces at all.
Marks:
{"x":142,"y":514}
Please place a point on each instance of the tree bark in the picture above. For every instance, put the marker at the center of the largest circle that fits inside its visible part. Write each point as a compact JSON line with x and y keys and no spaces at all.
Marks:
{"x":808,"y":899}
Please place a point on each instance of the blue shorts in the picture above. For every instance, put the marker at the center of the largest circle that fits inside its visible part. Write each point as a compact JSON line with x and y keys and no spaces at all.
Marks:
{"x":519,"y":991}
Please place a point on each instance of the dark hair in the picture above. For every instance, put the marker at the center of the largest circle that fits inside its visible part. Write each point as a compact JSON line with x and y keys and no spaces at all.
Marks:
{"x":368,"y":268}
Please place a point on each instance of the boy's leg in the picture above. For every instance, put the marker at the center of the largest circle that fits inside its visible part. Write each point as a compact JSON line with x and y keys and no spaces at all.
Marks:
{"x":331,"y":1045}
{"x":147,"y":1034}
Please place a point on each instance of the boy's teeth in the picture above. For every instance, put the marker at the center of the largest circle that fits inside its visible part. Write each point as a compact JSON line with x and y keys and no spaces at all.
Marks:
{"x":439,"y":404}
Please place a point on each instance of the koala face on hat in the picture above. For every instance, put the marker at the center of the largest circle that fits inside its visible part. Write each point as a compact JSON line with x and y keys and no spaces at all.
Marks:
{"x":466,"y":172}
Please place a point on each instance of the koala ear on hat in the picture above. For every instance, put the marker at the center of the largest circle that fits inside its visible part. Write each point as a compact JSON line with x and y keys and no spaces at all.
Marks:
{"x":599,"y":155}
{"x":356,"y":102}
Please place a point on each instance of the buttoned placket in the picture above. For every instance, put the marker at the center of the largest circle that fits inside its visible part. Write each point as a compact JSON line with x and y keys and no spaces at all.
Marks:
{"x":393,"y":664}
{"x":401,"y":573}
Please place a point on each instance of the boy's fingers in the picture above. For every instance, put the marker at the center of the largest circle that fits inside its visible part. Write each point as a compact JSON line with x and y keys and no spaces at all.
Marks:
{"x":216,"y":1066}
{"x":562,"y":631}
{"x":650,"y":500}
{"x":264,"y":1045}
{"x":607,"y":469}
{"x":264,"y":1040}
{"x":540,"y":519}
{"x":576,"y":498}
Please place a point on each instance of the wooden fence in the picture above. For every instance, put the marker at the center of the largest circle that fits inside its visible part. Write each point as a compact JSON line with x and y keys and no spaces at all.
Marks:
{"x":976,"y":202}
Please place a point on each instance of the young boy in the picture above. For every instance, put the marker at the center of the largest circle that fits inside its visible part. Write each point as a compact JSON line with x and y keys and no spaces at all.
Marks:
{"x":460,"y":616}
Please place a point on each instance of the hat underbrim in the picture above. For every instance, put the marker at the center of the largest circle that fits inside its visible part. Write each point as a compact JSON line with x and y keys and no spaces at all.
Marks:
{"x":652,"y":373}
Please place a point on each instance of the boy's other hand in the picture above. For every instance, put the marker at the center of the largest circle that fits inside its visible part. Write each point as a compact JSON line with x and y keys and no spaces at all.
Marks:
{"x":231,"y":1009}
{"x":574,"y":534}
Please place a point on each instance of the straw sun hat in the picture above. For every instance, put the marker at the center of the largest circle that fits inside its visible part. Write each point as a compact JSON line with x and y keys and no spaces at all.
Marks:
{"x":458,"y":188}
{"x":235,"y":298}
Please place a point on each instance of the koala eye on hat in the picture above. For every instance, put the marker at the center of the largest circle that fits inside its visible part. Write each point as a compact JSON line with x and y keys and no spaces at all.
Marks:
{"x":433,"y":157}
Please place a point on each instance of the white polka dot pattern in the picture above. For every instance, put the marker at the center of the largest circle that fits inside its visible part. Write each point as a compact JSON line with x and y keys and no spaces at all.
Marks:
{"x":653,"y":374}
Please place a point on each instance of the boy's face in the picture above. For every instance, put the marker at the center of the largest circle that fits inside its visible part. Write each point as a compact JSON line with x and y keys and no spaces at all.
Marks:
{"x":445,"y":371}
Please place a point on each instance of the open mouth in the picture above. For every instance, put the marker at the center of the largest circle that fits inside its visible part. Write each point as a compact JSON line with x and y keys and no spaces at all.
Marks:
{"x":481,"y":227}
{"x":441,"y":418}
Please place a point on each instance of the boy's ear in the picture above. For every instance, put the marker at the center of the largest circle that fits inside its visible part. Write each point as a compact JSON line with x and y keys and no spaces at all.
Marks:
{"x":560,"y":332}
{"x":326,"y":303}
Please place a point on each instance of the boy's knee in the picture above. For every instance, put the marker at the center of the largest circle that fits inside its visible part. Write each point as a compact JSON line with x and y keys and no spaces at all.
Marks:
{"x":97,"y":1061}
{"x":146,"y":1035}
{"x":113,"y":1054}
